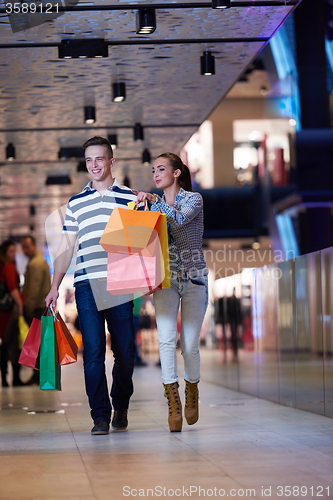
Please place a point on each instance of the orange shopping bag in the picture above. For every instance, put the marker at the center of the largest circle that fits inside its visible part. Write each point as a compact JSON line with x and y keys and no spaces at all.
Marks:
{"x":131,"y":231}
{"x":138,"y":254}
{"x":67,"y":347}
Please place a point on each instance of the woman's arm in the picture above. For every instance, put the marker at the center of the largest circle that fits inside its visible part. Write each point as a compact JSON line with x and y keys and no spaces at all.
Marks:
{"x":11,"y":278}
{"x":187,"y":211}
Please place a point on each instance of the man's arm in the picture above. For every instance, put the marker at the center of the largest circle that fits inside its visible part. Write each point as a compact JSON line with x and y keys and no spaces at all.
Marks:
{"x":61,"y":264}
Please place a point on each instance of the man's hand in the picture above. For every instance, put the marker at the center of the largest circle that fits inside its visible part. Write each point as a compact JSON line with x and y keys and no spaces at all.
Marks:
{"x":52,"y":297}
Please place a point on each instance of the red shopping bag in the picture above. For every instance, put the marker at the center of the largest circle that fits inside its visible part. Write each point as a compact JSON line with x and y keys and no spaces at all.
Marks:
{"x":67,"y":347}
{"x":30,"y":349}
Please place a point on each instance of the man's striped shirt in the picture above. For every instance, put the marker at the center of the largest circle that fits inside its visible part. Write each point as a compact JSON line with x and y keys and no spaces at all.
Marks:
{"x":87,"y":215}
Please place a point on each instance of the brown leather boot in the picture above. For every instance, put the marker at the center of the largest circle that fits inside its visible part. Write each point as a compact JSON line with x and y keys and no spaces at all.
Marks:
{"x":191,"y":402}
{"x":175,"y":418}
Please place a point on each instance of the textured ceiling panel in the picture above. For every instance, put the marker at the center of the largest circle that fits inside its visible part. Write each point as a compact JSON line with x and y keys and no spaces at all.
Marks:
{"x":42,"y":97}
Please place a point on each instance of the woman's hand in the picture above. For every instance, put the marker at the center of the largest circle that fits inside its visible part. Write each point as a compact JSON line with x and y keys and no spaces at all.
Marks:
{"x":142,"y":196}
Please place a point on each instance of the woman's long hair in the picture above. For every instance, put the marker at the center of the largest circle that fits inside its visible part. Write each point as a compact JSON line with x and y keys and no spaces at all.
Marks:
{"x":3,"y":250}
{"x":184,"y":179}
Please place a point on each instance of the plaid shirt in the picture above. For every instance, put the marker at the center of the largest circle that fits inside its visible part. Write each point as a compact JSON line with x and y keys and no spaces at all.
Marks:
{"x":185,"y":227}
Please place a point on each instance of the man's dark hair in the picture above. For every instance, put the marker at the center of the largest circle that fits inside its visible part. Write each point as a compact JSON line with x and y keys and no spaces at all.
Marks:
{"x":99,"y":141}
{"x":30,"y":237}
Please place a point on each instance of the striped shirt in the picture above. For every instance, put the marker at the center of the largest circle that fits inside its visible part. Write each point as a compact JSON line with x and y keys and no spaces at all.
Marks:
{"x":185,"y":226}
{"x":87,"y":215}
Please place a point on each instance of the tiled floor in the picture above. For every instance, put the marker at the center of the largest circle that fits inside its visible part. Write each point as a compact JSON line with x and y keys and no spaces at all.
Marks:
{"x":242,"y":447}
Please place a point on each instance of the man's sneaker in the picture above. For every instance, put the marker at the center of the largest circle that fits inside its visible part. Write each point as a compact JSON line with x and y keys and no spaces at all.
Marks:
{"x":101,"y":427}
{"x":119,"y":421}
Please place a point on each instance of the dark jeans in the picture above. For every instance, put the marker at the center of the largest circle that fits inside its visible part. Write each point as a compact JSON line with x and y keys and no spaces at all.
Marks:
{"x":120,"y":325}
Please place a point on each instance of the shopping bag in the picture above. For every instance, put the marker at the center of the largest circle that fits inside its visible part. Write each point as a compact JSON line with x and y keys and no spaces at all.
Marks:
{"x":141,"y":263}
{"x":67,"y":347}
{"x":132,"y":273}
{"x":131,"y":231}
{"x":23,"y":330}
{"x":49,"y":378}
{"x":31,"y":345}
{"x":165,"y":259}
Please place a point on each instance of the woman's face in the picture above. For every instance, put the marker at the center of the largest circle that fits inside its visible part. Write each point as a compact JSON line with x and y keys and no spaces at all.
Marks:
{"x":163,"y":173}
{"x":10,"y":254}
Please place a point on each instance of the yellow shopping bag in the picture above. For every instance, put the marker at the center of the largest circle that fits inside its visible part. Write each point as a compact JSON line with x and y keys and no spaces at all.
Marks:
{"x":23,"y":331}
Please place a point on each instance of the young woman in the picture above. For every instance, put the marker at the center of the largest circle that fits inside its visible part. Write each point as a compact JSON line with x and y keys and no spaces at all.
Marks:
{"x":8,"y":319}
{"x":184,"y":211}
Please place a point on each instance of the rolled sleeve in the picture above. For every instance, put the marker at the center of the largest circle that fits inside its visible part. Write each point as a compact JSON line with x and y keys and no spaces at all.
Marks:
{"x":181,"y":214}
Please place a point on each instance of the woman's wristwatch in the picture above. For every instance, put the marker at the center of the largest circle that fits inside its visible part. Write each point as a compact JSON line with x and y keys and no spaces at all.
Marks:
{"x":155,"y":198}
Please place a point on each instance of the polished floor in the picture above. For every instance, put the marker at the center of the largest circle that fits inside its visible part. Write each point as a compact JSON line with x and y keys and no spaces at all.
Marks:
{"x":242,"y":447}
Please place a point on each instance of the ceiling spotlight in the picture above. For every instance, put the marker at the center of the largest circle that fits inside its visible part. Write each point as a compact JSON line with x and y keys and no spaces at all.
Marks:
{"x":113,"y":140}
{"x":220,"y":4}
{"x":66,"y":153}
{"x":146,"y":158}
{"x":207,"y":63}
{"x":89,"y":114}
{"x":10,"y":152}
{"x":138,"y":132}
{"x":119,"y":91}
{"x":57,"y":180}
{"x":78,"y":48}
{"x":145,"y":21}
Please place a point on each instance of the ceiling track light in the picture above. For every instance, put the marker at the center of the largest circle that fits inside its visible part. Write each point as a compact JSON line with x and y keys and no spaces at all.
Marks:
{"x":113,"y":140}
{"x":118,"y":91}
{"x":67,"y":153}
{"x":221,"y":4}
{"x":89,"y":115}
{"x":146,"y":157}
{"x":10,"y":152}
{"x":138,"y":132}
{"x":57,"y":180}
{"x":207,"y":61}
{"x":83,"y":48}
{"x":145,"y":21}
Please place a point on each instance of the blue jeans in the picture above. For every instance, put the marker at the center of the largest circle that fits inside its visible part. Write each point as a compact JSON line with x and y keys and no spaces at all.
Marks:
{"x":192,"y":294}
{"x":120,"y":325}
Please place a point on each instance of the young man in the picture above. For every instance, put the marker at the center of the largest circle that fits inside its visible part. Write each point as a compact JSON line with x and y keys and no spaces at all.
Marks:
{"x":86,"y":217}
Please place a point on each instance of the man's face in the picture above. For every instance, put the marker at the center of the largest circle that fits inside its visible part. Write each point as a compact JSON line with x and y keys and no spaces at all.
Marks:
{"x":28,"y":247}
{"x":98,"y":162}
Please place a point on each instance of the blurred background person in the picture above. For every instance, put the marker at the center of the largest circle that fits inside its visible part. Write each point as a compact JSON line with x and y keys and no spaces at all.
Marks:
{"x":37,"y":283}
{"x":9,"y":319}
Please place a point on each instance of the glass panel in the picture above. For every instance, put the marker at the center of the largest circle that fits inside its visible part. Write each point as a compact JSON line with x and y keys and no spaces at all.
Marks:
{"x":266,"y":331}
{"x":287,"y":333}
{"x":309,"y":334}
{"x":327,"y":298}
{"x":248,"y":354}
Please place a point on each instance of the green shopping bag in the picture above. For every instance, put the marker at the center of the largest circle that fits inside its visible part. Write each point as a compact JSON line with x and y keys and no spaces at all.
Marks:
{"x":49,"y":377}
